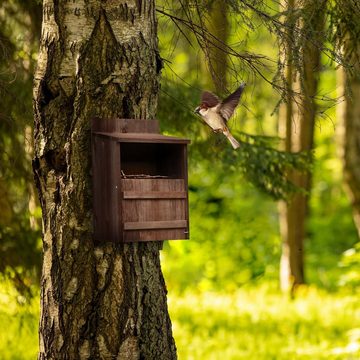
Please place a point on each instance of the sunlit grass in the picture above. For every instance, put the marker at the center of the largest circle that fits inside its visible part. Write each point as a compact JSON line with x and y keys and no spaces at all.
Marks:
{"x":260,"y":324}
{"x":18,"y":325}
{"x":254,"y":323}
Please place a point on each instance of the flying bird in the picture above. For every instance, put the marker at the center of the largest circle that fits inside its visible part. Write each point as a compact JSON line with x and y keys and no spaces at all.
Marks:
{"x":216,"y":113}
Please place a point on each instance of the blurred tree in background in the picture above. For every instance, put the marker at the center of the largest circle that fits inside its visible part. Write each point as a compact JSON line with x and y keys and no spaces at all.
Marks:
{"x":20,"y":24}
{"x":347,"y":30}
{"x":301,"y":51}
{"x":214,"y":69}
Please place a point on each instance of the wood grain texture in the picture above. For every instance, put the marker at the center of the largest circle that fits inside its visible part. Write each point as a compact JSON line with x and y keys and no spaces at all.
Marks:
{"x":106,"y":184}
{"x":152,"y":235}
{"x":154,"y":195}
{"x":154,"y":209}
{"x":138,"y":225}
{"x":151,"y":185}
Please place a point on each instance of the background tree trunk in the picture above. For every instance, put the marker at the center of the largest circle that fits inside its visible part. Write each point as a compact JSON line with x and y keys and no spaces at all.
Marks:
{"x":33,"y":199}
{"x":349,"y":110}
{"x":296,"y":125}
{"x":214,"y":73}
{"x":107,"y":302}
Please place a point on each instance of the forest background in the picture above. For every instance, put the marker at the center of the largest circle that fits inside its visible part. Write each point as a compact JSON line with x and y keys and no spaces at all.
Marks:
{"x":224,"y":293}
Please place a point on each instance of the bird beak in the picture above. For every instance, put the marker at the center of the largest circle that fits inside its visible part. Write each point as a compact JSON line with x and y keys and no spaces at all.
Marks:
{"x":197,"y":110}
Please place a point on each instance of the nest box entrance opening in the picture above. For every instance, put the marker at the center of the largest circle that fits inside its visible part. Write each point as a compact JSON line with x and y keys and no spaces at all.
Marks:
{"x":139,"y":181}
{"x":152,"y":160}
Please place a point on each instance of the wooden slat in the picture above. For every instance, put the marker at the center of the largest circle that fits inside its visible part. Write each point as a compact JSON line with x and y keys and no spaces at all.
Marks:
{"x":147,"y":185}
{"x":144,"y":210}
{"x":106,"y":182}
{"x":143,"y":138}
{"x":155,"y":225}
{"x":154,"y":195}
{"x":155,"y":235}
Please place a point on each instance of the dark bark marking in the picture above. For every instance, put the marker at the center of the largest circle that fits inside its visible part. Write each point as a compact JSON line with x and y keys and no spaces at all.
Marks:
{"x":126,"y":107}
{"x":159,"y":63}
{"x":46,"y":94}
{"x":122,"y":13}
{"x":139,"y":6}
{"x":56,"y":159}
{"x":37,"y":175}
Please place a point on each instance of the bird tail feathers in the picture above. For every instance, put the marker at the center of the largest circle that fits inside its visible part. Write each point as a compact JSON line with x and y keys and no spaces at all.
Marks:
{"x":234,"y":143}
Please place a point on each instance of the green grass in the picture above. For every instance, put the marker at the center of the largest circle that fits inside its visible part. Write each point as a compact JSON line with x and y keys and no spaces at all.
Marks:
{"x":261,"y":324}
{"x":18,"y":325}
{"x":254,"y":323}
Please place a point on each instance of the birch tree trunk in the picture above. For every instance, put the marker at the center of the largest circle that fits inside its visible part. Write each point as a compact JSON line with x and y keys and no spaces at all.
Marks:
{"x":97,"y":58}
{"x":296,"y":125}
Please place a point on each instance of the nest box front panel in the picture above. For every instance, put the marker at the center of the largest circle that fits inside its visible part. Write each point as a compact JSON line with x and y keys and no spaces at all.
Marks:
{"x":139,"y":181}
{"x":154,"y":209}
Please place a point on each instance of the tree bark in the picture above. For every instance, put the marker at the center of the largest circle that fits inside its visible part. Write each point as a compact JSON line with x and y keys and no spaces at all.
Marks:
{"x":296,"y":125}
{"x":96,"y":58}
{"x":349,"y":110}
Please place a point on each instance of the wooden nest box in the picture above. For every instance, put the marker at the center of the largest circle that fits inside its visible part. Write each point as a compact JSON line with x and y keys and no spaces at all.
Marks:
{"x":140,"y":187}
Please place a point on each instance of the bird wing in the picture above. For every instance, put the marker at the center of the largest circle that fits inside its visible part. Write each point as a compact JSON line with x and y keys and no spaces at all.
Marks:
{"x":209,"y":99}
{"x":229,"y":104}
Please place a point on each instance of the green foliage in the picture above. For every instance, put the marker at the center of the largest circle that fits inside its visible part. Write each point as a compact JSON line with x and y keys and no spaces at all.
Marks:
{"x":233,"y":233}
{"x":350,"y":264}
{"x":19,"y":222}
{"x":268,"y":168}
{"x":258,"y":159}
{"x":234,"y":228}
{"x":21,"y":254}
